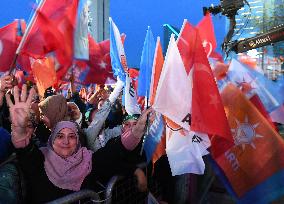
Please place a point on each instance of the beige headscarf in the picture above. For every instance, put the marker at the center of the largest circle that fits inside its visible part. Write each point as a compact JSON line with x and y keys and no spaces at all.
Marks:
{"x":55,"y":109}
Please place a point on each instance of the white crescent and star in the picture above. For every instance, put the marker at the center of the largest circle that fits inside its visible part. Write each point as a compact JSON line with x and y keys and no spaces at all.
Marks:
{"x":102,"y":65}
{"x":204,"y":44}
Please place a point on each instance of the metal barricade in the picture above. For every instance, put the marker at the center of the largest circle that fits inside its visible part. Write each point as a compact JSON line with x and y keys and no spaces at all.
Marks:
{"x":123,"y":190}
{"x":92,"y":196}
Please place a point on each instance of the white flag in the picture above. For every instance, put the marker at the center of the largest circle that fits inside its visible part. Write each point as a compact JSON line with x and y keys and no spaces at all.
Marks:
{"x":173,"y":96}
{"x":184,"y":148}
{"x":131,"y":105}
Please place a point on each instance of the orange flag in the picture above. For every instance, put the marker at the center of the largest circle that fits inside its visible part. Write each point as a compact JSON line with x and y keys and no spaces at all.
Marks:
{"x":258,"y":151}
{"x":156,"y":70}
{"x":44,"y":74}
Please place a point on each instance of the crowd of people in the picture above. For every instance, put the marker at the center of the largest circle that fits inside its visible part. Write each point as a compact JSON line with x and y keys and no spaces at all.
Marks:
{"x":67,"y":143}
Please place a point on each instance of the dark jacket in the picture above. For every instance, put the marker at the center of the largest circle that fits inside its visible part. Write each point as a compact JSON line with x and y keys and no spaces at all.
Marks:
{"x":106,"y":163}
{"x":4,"y":116}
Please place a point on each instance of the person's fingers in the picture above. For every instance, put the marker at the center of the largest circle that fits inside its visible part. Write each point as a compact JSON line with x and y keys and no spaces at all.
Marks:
{"x":6,"y":82}
{"x":152,"y":116}
{"x":8,"y":100}
{"x":7,"y":78}
{"x":146,"y":112}
{"x":31,"y":96}
{"x":16,"y":94}
{"x":24,"y":93}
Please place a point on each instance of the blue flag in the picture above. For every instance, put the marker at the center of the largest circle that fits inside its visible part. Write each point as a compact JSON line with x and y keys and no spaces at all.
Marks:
{"x":117,"y":54}
{"x":154,"y":136}
{"x":146,"y":64}
{"x":268,"y":91}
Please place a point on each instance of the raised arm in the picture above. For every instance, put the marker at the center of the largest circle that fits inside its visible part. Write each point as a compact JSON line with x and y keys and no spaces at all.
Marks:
{"x":131,"y":138}
{"x":96,"y":125}
{"x":19,"y":112}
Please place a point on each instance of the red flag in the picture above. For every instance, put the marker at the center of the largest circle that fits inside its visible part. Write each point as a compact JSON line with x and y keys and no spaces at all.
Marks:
{"x":8,"y":45}
{"x":53,"y":30}
{"x":23,"y":61}
{"x":99,"y":63}
{"x":208,"y":115}
{"x":186,"y":44}
{"x":98,"y":67}
{"x":217,"y":56}
{"x":134,"y":74}
{"x":207,"y":35}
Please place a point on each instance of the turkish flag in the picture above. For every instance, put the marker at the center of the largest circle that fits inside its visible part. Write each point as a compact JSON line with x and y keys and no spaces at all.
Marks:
{"x":98,"y":68}
{"x":207,"y":35}
{"x":208,"y":114}
{"x":8,"y":45}
{"x":100,"y":71}
{"x":53,"y":30}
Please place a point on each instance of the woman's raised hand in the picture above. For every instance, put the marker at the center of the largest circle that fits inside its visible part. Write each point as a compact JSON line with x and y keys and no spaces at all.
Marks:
{"x":19,"y":111}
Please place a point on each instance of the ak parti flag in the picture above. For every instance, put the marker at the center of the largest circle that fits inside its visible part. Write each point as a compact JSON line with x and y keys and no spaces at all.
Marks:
{"x":8,"y":45}
{"x":154,"y":136}
{"x":158,"y":143}
{"x":53,"y":30}
{"x":156,"y":70}
{"x":254,"y":167}
{"x":44,"y":73}
{"x":173,"y":94}
{"x":173,"y":100}
{"x":208,"y":115}
{"x":117,"y":54}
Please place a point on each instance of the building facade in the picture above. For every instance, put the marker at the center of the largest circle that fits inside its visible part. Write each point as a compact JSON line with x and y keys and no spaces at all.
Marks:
{"x":98,"y":19}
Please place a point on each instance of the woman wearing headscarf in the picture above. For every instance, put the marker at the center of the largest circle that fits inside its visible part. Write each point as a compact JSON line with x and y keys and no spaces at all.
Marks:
{"x":52,"y":110}
{"x":63,"y":166}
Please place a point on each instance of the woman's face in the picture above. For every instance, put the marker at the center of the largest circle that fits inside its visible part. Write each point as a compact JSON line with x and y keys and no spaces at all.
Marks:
{"x":65,"y":143}
{"x":74,"y":111}
{"x":128,"y":125}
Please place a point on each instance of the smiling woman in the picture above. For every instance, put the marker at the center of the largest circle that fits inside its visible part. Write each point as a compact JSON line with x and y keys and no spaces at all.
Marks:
{"x":64,"y":165}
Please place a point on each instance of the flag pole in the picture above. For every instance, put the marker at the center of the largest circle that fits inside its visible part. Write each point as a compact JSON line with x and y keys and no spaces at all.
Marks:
{"x":147,"y":126}
{"x":30,"y":26}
